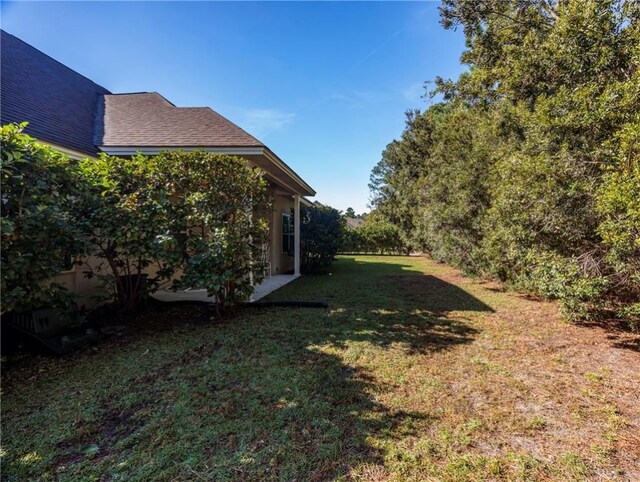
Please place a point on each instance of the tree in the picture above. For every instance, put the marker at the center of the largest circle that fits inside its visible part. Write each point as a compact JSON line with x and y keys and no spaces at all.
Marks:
{"x":39,"y":233}
{"x":618,"y":203}
{"x":525,"y":171}
{"x":127,"y":220}
{"x":393,"y":181}
{"x":218,"y":221}
{"x":321,"y":231}
{"x":452,"y":193}
{"x":350,"y":213}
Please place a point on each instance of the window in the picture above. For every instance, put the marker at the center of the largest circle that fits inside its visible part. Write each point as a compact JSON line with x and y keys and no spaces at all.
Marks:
{"x":287,"y":234}
{"x":66,"y":263}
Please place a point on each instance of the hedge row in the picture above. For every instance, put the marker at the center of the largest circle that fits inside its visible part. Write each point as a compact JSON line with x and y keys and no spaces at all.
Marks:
{"x":185,"y":217}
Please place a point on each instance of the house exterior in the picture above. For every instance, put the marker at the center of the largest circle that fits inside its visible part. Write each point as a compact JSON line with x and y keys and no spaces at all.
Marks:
{"x":354,"y":223}
{"x":82,"y":119}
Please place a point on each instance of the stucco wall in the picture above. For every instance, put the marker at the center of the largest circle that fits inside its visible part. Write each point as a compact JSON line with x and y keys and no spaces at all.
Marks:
{"x":88,"y":289}
{"x":281,"y":263}
{"x":84,"y":288}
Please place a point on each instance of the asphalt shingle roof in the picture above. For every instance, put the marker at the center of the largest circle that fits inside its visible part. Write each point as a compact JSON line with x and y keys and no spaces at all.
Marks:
{"x":149,"y":120}
{"x":354,"y":223}
{"x":59,"y":104}
{"x":66,"y":108}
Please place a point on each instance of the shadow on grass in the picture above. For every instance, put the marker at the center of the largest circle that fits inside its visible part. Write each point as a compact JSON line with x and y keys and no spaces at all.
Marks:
{"x":414,"y":331}
{"x":435,"y":295}
{"x":619,"y":333}
{"x":270,"y":395}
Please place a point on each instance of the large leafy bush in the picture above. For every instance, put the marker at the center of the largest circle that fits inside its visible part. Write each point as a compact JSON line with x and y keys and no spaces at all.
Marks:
{"x":127,"y":220}
{"x":39,"y":232}
{"x":182,"y":219}
{"x":195,"y":219}
{"x":321,"y":231}
{"x":218,"y":221}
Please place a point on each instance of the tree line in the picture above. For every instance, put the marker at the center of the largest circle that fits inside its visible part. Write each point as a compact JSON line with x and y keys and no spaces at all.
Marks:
{"x":527,"y":168}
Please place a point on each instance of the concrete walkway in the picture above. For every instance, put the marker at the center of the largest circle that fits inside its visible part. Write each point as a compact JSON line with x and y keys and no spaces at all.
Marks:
{"x":268,"y":285}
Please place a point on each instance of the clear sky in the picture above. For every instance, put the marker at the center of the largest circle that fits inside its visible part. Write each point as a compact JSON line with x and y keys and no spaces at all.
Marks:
{"x":325,"y":85}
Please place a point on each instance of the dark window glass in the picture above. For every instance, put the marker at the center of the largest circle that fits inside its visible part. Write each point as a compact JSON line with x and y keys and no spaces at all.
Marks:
{"x":287,"y":234}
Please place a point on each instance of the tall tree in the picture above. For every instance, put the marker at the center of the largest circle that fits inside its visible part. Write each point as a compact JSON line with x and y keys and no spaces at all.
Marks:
{"x":527,"y":170}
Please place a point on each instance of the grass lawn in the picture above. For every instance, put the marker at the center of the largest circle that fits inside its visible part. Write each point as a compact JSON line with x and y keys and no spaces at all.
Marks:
{"x":413,"y":373}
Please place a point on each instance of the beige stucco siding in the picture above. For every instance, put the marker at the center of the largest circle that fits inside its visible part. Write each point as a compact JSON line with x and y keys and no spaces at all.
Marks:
{"x":280,"y":262}
{"x":84,"y":288}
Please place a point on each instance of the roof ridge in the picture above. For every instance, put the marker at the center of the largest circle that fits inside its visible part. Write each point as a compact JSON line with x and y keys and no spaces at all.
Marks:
{"x":130,"y":93}
{"x":98,"y":122}
{"x":155,"y":93}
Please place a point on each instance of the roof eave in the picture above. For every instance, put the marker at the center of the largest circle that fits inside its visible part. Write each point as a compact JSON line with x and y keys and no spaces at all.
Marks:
{"x":307,"y":190}
{"x":303,"y":188}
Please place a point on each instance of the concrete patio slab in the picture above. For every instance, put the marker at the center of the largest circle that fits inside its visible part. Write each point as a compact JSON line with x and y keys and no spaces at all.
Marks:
{"x":268,"y":285}
{"x":272,"y":283}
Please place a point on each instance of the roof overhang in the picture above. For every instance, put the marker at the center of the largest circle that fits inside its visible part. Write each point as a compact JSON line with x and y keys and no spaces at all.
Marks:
{"x":277,"y":170}
{"x":72,"y":153}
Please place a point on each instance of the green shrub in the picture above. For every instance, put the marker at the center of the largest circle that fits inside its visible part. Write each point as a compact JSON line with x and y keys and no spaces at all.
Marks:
{"x":631,"y":315}
{"x":321,"y":231}
{"x":353,"y":241}
{"x":384,"y":238}
{"x":144,"y":219}
{"x":126,"y":219}
{"x":185,"y":217}
{"x":556,"y":277}
{"x":374,"y":237}
{"x":215,"y":219}
{"x":40,"y":187}
{"x":618,"y":202}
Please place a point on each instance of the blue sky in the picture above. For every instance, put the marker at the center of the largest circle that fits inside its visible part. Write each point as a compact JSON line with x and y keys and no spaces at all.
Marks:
{"x":325,"y":85}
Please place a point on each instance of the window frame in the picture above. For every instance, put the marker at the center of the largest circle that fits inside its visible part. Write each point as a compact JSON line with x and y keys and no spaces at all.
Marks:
{"x":288,"y":234}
